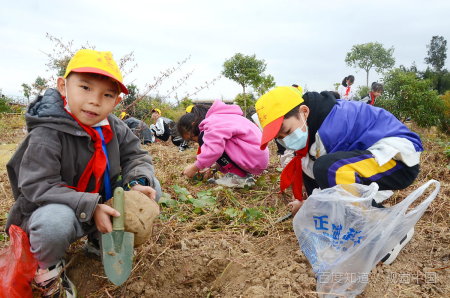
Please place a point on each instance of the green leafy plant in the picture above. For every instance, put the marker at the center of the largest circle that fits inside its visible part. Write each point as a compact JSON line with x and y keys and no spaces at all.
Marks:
{"x":253,"y":214}
{"x":167,"y":201}
{"x":182,"y":193}
{"x":406,"y":95}
{"x":361,"y":91}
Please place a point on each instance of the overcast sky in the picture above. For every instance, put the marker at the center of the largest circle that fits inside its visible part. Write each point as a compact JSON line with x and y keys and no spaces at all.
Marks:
{"x":302,"y":42}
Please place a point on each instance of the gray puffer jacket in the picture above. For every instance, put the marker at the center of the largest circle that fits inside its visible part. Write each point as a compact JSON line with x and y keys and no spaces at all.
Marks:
{"x":56,"y":152}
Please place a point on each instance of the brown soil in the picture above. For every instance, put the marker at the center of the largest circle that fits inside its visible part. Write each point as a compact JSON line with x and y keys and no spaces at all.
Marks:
{"x":210,"y":256}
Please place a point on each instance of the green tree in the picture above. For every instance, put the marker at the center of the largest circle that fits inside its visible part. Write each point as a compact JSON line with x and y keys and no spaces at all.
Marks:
{"x":247,"y":103}
{"x":39,"y":85}
{"x":412,"y":68}
{"x":264,"y":84}
{"x":129,"y":99}
{"x":406,"y":95}
{"x":437,"y":53}
{"x":26,"y":91}
{"x":440,"y":79}
{"x":370,"y":55}
{"x":185,"y":103}
{"x":59,"y":66}
{"x":133,"y":92}
{"x":244,"y":70}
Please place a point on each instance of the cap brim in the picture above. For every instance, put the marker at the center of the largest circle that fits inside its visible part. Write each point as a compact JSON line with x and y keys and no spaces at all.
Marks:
{"x":102,"y":72}
{"x":270,"y":131}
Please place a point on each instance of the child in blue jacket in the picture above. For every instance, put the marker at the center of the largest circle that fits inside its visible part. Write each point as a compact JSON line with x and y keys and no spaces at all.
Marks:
{"x":339,"y":142}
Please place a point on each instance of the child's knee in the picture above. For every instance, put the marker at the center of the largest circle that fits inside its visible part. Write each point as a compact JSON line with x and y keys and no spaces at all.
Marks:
{"x":53,"y":223}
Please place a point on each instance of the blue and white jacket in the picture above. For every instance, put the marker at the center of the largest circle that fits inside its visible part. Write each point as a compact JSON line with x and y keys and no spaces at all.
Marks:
{"x":352,"y":125}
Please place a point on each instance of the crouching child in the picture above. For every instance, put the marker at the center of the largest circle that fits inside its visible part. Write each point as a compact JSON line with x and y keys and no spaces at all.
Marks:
{"x":69,"y":163}
{"x":339,"y":142}
{"x":227,"y":142}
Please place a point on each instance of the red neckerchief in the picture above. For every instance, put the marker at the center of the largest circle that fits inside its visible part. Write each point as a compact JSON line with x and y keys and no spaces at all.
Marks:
{"x":373,"y":99}
{"x":348,"y":91}
{"x":293,"y":173}
{"x":97,"y":164}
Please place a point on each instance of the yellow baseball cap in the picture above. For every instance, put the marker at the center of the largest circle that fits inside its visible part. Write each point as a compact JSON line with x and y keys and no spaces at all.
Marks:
{"x":157,"y":110}
{"x":271,"y":108}
{"x":122,"y":115}
{"x":189,"y":108}
{"x":92,"y":61}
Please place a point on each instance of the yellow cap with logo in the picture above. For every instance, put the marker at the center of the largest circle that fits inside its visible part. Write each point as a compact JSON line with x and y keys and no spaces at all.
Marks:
{"x":92,"y":61}
{"x":157,"y":110}
{"x":271,"y":108}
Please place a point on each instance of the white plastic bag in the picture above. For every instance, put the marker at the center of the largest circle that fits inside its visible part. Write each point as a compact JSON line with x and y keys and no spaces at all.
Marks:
{"x":344,"y":237}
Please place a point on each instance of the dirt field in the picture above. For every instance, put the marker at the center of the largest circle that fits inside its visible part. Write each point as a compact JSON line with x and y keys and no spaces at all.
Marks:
{"x":231,"y":249}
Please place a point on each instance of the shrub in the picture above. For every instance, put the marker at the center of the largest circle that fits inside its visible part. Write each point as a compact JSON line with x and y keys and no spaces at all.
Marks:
{"x":5,"y":105}
{"x":185,"y":103}
{"x":361,"y":91}
{"x":406,"y":95}
{"x":251,"y":101}
{"x":445,"y":119}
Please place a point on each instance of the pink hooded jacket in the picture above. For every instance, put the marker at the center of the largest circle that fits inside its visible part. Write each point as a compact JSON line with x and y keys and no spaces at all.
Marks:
{"x":226,"y":130}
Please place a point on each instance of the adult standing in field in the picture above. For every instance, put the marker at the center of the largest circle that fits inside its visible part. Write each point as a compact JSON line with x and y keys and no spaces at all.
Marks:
{"x":345,"y":90}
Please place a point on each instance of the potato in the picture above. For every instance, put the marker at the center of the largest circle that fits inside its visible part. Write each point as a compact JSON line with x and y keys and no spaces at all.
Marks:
{"x":140,"y":212}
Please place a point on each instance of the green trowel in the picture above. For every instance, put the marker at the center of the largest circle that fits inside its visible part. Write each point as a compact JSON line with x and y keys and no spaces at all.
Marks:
{"x":118,"y":245}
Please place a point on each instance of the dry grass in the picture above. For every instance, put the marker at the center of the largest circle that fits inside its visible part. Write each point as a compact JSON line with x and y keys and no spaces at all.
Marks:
{"x":235,"y":251}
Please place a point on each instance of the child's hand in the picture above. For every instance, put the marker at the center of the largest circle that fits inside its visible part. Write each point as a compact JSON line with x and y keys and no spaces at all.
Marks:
{"x":146,"y":190}
{"x":304,"y":195}
{"x":102,"y":218}
{"x":208,"y":172}
{"x":190,"y":171}
{"x":295,"y":204}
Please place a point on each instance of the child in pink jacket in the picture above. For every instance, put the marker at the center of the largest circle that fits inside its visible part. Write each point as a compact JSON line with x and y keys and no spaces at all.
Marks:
{"x":228,"y":142}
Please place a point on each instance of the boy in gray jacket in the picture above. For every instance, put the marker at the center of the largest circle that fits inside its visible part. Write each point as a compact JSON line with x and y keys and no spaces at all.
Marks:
{"x":69,"y":163}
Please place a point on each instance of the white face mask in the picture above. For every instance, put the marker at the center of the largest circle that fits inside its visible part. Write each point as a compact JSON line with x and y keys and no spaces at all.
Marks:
{"x":67,"y":99}
{"x":297,"y":139}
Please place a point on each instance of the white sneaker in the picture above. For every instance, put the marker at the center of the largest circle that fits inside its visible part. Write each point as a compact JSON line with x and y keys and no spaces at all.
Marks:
{"x":391,"y":256}
{"x":52,"y":287}
{"x":233,"y":180}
